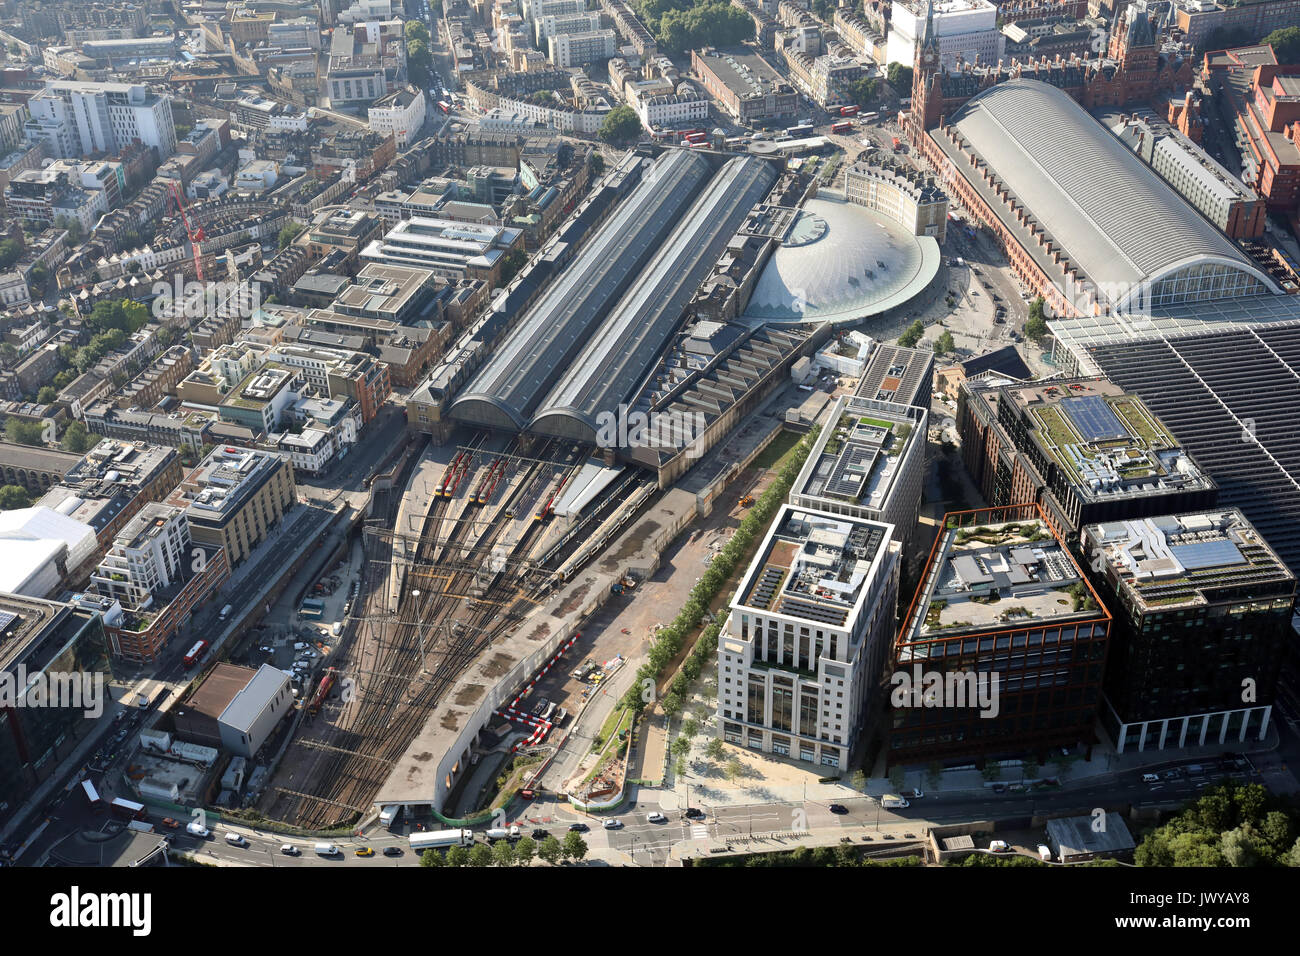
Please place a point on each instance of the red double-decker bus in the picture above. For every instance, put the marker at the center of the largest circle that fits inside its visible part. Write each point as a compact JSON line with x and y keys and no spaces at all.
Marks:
{"x":195,"y":653}
{"x":841,"y":127}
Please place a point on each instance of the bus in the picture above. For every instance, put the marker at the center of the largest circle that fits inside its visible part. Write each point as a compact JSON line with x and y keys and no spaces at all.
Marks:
{"x":127,"y":809}
{"x":698,"y":137}
{"x":849,"y":110}
{"x":442,"y":105}
{"x":195,"y":653}
{"x":842,"y":127}
{"x":92,"y":795}
{"x":869,"y":117}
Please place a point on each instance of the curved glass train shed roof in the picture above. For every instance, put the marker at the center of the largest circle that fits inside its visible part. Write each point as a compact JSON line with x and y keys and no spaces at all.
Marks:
{"x":625,"y":345}
{"x":504,"y":393}
{"x":1114,"y":218}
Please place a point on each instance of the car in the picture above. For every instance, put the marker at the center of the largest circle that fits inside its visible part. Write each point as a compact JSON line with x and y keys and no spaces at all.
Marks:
{"x":290,"y":850}
{"x":693,"y":813}
{"x":1151,"y":778}
{"x":540,"y":834}
{"x":999,"y":846}
{"x":916,"y":793}
{"x":657,"y":818}
{"x":613,"y":824}
{"x":1171,"y":774}
{"x":1044,"y":853}
{"x":578,"y":827}
{"x":838,"y":808}
{"x":364,"y":851}
{"x":392,"y":851}
{"x":999,"y":788}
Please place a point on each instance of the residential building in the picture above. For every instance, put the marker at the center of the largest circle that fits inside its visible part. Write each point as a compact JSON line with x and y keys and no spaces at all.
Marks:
{"x":900,"y":192}
{"x":81,"y":119}
{"x":578,"y":49}
{"x":400,"y":114}
{"x":234,"y":497}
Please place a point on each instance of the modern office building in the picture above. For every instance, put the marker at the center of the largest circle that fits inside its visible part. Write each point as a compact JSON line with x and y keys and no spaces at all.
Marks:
{"x":456,"y":250}
{"x":868,"y":462}
{"x":800,"y":657}
{"x":1203,"y":618}
{"x":578,"y":49}
{"x":59,"y":646}
{"x":234,"y":497}
{"x":895,"y":373}
{"x":745,"y":84}
{"x":1085,"y":449}
{"x":1003,"y":649}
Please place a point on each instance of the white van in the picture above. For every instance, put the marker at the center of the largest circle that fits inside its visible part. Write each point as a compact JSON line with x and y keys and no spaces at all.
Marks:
{"x":999,"y":846}
{"x":194,"y":828}
{"x":236,"y":839}
{"x":893,"y":801}
{"x":327,"y":849}
{"x":1045,"y":853}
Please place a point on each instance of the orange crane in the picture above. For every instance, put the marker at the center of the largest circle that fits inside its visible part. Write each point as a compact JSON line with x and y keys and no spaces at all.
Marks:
{"x":195,"y":231}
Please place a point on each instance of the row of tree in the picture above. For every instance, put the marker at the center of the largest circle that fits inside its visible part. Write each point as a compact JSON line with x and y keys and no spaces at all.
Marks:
{"x":505,"y":853}
{"x":682,"y":25}
{"x":1230,"y":825}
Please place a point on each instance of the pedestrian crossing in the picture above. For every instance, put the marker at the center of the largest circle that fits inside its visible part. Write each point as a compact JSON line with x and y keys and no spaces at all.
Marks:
{"x":699,"y":831}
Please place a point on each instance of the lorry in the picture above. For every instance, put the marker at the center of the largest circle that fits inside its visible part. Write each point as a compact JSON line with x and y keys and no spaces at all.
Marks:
{"x":388,"y":816}
{"x":501,"y":833}
{"x":434,"y":839}
{"x":893,"y":801}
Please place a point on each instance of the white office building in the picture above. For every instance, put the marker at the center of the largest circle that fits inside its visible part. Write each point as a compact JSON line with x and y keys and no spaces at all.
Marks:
{"x":965,"y":28}
{"x":809,"y":629}
{"x":579,"y":49}
{"x":80,"y":119}
{"x":401,"y":113}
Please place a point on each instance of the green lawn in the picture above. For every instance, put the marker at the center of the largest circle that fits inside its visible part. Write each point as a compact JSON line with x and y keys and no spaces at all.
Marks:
{"x":773,"y":456}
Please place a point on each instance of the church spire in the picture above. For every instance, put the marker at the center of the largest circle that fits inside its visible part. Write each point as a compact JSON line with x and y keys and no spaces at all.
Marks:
{"x":928,"y":37}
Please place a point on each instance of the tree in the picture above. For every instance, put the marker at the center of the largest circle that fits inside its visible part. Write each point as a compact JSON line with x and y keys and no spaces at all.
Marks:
{"x":525,"y":850}
{"x":457,"y":856}
{"x":76,"y":438}
{"x":1036,"y":324}
{"x":288,"y":233}
{"x":734,"y":769}
{"x":715,"y":750}
{"x":503,"y":854}
{"x":514,"y":260}
{"x":1285,"y":44}
{"x":913,"y":335}
{"x":597,"y":163}
{"x":681,"y":746}
{"x":679,"y":767}
{"x":863,"y":91}
{"x":24,"y":433}
{"x":944,"y":344}
{"x":858,"y":779}
{"x":550,"y":850}
{"x":621,"y":126}
{"x":10,"y":250}
{"x":1063,"y":765}
{"x":690,"y":727}
{"x":991,"y":770}
{"x":934,"y":774}
{"x":481,"y":855}
{"x":432,"y":858}
{"x":896,"y":777}
{"x":672,"y":705}
{"x":46,"y":395}
{"x":14,"y":496}
{"x":575,"y":847}
{"x":1029,"y":768}
{"x":900,"y":78}
{"x":38,"y":276}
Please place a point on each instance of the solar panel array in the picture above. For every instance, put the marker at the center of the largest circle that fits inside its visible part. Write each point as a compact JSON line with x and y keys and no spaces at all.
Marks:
{"x":1232,"y":399}
{"x":1207,"y":554}
{"x":761,"y":597}
{"x":1093,"y":418}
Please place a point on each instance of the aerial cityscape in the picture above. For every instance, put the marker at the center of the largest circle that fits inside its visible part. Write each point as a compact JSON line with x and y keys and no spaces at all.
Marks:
{"x":694,"y":434}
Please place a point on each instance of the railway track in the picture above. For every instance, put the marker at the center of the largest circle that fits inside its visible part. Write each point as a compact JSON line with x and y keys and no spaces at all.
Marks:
{"x":414,"y":660}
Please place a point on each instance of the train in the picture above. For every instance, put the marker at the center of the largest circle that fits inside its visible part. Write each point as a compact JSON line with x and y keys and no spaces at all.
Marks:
{"x":196,"y":653}
{"x":455,"y":473}
{"x":490,"y":481}
{"x":436,"y":839}
{"x":322,"y":692}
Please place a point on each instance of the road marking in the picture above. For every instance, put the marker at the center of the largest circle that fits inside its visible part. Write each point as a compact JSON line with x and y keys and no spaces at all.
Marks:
{"x":699,"y":832}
